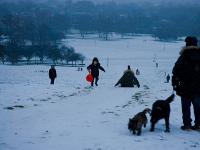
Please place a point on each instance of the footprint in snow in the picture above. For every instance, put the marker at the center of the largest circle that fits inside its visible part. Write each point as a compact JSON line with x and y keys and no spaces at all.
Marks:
{"x":31,"y":99}
{"x":13,"y":107}
{"x":146,"y":87}
{"x":44,"y":100}
{"x":81,"y":92}
{"x":110,"y":112}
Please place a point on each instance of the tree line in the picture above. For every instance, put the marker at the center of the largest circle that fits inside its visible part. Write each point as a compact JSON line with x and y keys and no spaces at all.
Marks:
{"x":163,"y":21}
{"x":29,"y":29}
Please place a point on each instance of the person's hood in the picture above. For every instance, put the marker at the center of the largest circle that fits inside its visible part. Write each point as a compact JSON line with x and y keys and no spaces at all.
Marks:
{"x":98,"y":64}
{"x":188,"y":48}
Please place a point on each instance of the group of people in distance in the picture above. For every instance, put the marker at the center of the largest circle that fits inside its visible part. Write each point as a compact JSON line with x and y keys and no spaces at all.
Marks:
{"x":127,"y":80}
{"x":185,"y":80}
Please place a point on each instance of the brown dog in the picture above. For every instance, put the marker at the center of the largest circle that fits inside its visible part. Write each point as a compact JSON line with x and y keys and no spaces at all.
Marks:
{"x":139,"y":120}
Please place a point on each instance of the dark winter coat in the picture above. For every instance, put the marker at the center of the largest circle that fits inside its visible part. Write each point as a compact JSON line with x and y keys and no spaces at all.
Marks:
{"x":186,"y":72}
{"x":168,"y":77}
{"x":95,"y":69}
{"x":128,"y":80}
{"x":52,"y":73}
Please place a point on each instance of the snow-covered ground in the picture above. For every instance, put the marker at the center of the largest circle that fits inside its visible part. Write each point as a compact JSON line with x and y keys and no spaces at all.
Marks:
{"x":71,"y":115}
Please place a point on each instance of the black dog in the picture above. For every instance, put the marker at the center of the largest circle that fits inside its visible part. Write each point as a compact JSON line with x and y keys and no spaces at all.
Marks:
{"x":161,"y":110}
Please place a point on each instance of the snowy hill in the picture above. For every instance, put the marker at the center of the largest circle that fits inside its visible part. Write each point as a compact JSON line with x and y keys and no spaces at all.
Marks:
{"x":73,"y":116}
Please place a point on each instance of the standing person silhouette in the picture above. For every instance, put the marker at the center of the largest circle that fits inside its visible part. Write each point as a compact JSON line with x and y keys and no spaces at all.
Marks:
{"x":52,"y":74}
{"x":168,"y":78}
{"x":186,"y":82}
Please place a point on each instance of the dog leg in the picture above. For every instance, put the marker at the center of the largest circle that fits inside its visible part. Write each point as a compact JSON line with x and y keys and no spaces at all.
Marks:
{"x":152,"y":127}
{"x":145,"y":123}
{"x":134,"y":132}
{"x":167,"y":124}
{"x":139,"y":132}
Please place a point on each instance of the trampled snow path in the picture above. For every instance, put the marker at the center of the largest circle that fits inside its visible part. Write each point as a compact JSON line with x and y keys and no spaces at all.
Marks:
{"x":72,"y":116}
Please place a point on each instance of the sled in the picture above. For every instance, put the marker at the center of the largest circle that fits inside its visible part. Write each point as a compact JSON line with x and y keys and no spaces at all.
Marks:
{"x":89,"y":78}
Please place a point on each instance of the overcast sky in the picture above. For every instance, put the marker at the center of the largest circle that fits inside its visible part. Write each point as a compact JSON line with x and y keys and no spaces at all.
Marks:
{"x":125,"y":1}
{"x":153,"y":1}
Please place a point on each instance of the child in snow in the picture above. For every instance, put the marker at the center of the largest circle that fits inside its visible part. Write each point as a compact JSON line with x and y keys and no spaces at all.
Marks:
{"x":94,"y":70}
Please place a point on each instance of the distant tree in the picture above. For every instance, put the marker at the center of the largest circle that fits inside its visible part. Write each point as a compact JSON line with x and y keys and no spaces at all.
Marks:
{"x":2,"y":53}
{"x":60,"y":24}
{"x":45,"y":24}
{"x":105,"y":26}
{"x":76,"y":57}
{"x":166,"y":30}
{"x":69,"y":55}
{"x":85,"y":23}
{"x":54,"y":54}
{"x":13,"y":52}
{"x":28,"y":53}
{"x":14,"y":28}
{"x":41,"y":52}
{"x":84,"y":6}
{"x":81,"y":58}
{"x":45,"y":41}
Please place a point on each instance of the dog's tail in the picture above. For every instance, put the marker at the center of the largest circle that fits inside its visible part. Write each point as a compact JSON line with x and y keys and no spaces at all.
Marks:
{"x":170,"y":99}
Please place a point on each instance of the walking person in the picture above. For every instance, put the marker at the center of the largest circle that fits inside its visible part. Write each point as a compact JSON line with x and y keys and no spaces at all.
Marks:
{"x":137,"y":72}
{"x":52,"y":74}
{"x":186,"y":82}
{"x":168,"y":78}
{"x":156,"y":65}
{"x":94,"y":70}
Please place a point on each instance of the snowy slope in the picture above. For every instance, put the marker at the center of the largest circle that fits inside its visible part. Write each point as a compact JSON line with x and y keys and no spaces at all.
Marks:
{"x":73,"y":116}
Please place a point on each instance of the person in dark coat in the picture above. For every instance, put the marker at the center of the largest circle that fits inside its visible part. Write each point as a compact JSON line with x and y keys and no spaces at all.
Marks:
{"x":137,"y":72}
{"x":186,"y":82}
{"x":52,"y":74}
{"x":156,"y":65}
{"x":128,"y":79}
{"x":168,"y":78}
{"x":94,"y":70}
